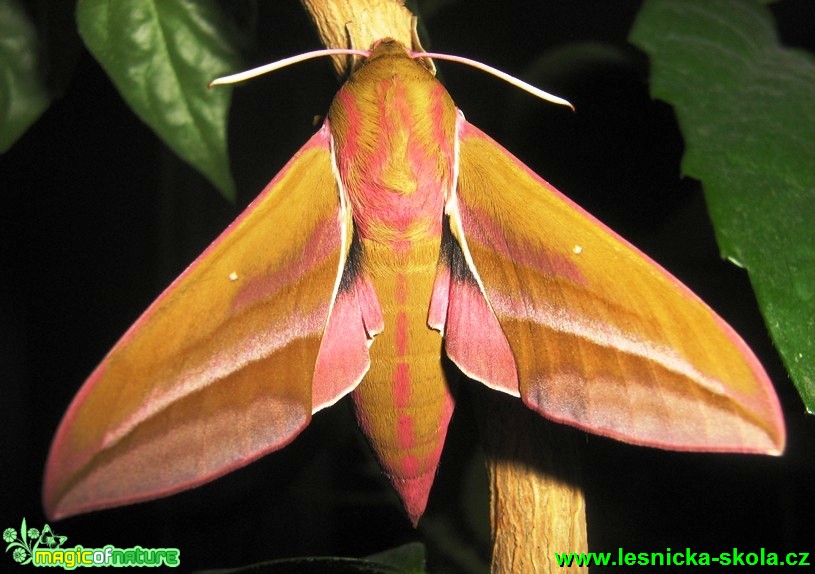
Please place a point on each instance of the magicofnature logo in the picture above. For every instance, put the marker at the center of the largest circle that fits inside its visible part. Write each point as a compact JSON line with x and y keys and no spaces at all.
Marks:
{"x":42,"y":547}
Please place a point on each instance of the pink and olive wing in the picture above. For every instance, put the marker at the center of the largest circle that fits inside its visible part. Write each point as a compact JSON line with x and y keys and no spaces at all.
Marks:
{"x":473,"y":338}
{"x":218,"y":370}
{"x":602,"y":337}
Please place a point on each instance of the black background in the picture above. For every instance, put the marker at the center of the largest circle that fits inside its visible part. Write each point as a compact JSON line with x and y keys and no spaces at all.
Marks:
{"x":98,"y":217}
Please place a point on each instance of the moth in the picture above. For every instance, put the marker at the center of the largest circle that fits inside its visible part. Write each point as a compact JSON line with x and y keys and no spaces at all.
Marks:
{"x":49,"y":539}
{"x":409,"y":235}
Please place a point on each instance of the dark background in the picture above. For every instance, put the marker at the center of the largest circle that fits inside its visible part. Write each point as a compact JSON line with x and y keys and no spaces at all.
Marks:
{"x":98,"y":217}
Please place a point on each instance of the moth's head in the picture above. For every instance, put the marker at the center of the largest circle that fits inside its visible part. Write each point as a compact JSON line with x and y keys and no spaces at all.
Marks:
{"x":392,"y":52}
{"x":387,"y":47}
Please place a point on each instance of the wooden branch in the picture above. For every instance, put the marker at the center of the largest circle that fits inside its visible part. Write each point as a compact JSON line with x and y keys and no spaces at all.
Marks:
{"x":358,"y":24}
{"x":537,"y":505}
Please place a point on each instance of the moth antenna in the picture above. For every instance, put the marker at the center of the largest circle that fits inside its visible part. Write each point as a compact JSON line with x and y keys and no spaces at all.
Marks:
{"x":518,"y":83}
{"x":260,"y":70}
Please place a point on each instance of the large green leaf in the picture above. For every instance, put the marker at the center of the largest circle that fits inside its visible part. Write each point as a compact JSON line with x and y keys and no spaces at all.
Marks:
{"x":161,"y":54}
{"x":23,"y":95}
{"x":746,"y":108}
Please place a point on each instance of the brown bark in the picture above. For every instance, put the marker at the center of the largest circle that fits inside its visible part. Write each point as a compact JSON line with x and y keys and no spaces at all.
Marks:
{"x":358,"y":24}
{"x":537,"y":506}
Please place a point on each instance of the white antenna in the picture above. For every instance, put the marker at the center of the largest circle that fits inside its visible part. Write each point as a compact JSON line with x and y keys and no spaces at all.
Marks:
{"x":518,"y":83}
{"x":260,"y":70}
{"x":254,"y":72}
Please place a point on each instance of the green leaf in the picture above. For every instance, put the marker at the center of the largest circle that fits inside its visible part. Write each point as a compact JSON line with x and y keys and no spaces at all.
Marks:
{"x":161,"y":54}
{"x":407,"y":559}
{"x":23,"y":531}
{"x":23,"y":95}
{"x":746,"y":107}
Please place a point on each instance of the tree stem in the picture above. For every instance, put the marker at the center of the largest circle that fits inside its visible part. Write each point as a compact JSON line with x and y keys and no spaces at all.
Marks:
{"x":358,"y":24}
{"x":537,"y":505}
